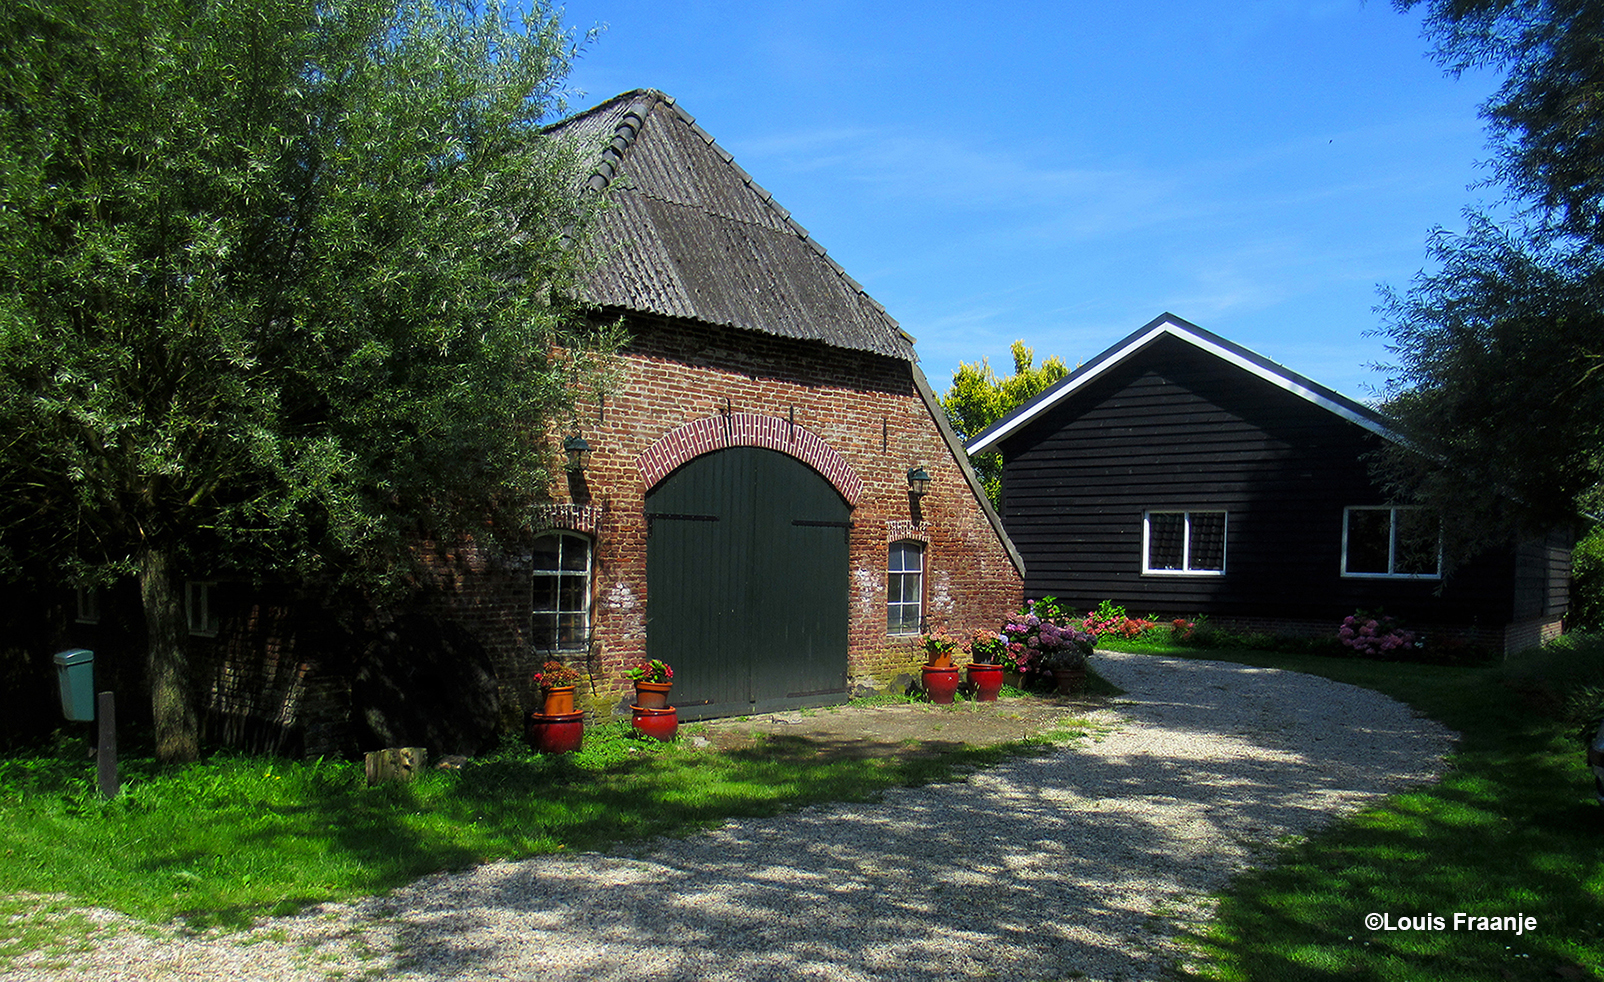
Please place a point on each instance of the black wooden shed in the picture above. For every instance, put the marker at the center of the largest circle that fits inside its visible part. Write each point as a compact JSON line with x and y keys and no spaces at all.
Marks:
{"x":1179,"y":473}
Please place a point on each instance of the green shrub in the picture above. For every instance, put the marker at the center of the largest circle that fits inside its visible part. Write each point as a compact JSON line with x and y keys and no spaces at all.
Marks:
{"x":1587,"y":581}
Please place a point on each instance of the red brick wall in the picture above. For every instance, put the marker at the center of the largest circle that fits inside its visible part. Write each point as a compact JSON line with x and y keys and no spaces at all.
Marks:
{"x":858,"y":419}
{"x":867,"y":412}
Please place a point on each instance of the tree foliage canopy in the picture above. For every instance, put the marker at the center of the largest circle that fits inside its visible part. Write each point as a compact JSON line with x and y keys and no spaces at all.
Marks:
{"x":284,"y":285}
{"x":978,"y":398}
{"x":280,"y":283}
{"x":1498,"y":387}
{"x":1545,"y":120}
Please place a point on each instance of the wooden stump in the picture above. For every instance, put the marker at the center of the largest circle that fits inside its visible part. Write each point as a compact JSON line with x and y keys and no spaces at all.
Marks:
{"x":395,"y":764}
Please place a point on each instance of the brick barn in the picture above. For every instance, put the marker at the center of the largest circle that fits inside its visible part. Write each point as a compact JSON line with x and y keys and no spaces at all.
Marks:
{"x":746,"y":511}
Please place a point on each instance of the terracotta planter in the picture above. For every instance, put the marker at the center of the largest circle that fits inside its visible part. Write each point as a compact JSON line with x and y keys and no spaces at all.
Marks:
{"x":1013,"y":678}
{"x":557,"y":734}
{"x":1070,"y":680}
{"x":559,"y":700}
{"x":652,"y":695}
{"x":939,"y":661}
{"x":987,"y":680}
{"x":940,"y":683}
{"x":659,"y":724}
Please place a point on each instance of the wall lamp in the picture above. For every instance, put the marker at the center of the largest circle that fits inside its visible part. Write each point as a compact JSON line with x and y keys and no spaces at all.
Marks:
{"x":918,"y":482}
{"x":578,"y":452}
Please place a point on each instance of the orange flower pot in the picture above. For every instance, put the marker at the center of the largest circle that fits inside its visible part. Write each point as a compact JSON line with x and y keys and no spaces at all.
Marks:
{"x":652,"y":695}
{"x":559,"y":700}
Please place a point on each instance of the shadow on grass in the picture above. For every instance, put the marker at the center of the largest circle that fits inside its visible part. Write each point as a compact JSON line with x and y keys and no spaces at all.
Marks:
{"x":1508,"y":831}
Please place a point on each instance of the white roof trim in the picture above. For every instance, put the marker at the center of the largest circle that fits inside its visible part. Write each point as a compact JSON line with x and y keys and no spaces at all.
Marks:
{"x":1237,"y":355}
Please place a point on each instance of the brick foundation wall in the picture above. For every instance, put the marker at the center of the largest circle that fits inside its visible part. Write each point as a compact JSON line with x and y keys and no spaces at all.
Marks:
{"x":1530,"y":633}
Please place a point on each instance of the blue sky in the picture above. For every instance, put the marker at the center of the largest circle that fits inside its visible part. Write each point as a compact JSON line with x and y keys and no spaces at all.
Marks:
{"x":1062,"y":173}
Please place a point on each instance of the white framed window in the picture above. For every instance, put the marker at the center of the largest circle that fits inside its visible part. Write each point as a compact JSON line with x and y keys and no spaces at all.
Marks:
{"x":198,"y":608}
{"x":905,"y":587}
{"x":560,"y":615}
{"x":1183,"y":543}
{"x":1384,"y":540}
{"x":88,"y":605}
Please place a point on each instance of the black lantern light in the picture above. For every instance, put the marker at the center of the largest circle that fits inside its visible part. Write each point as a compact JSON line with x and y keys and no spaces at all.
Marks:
{"x":918,"y":482}
{"x":578,"y":452}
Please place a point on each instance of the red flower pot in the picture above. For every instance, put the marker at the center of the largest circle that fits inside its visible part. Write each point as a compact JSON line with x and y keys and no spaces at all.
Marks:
{"x":659,"y":724}
{"x":987,"y":680}
{"x":555,"y":734}
{"x":652,"y":695}
{"x":940,"y":683}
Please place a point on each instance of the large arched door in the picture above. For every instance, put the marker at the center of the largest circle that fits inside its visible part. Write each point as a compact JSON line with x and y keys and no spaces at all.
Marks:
{"x":746,"y":583}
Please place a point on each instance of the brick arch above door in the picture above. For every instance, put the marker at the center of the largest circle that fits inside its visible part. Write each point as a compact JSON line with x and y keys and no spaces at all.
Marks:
{"x":748,"y":430}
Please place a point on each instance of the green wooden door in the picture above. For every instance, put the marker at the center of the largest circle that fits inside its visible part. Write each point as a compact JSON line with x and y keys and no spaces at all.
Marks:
{"x":746,"y":583}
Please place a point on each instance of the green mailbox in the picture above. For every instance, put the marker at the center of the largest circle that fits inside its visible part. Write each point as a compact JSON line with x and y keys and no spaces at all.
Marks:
{"x":75,"y":671}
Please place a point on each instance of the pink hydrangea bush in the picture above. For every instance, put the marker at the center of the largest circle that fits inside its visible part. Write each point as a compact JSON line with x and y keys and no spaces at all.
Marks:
{"x":1375,"y":636}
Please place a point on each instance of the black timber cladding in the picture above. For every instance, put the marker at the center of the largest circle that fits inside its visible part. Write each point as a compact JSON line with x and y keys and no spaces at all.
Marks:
{"x":680,"y":208}
{"x":1173,"y":427}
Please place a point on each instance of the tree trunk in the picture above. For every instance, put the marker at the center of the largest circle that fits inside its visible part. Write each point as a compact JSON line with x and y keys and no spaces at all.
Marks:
{"x":172,"y":694}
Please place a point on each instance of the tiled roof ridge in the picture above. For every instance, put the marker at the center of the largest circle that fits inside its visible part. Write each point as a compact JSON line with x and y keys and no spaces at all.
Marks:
{"x":634,"y":120}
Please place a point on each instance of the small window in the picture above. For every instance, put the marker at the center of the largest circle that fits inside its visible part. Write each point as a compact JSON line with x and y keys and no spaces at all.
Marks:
{"x":88,"y":605}
{"x":198,"y":607}
{"x":1184,"y":542}
{"x":1386,"y":541}
{"x":905,"y":588}
{"x":561,"y":610}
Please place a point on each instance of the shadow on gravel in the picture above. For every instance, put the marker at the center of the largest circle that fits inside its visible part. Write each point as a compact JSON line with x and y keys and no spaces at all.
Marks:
{"x":1078,"y":861}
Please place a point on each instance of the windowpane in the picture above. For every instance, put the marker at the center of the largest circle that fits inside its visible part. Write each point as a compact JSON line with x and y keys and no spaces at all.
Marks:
{"x":1166,"y":533}
{"x":908,"y":588}
{"x":1369,"y":538}
{"x":1208,"y":541}
{"x":543,"y":627}
{"x":904,"y":587}
{"x":560,"y":585}
{"x":1419,"y":543}
{"x":905,"y":558}
{"x":571,"y":593}
{"x":571,"y":630}
{"x":545,"y":593}
{"x":547,"y":549}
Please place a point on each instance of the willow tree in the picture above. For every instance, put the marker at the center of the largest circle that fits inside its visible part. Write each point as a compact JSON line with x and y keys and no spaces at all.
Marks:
{"x":284,"y":288}
{"x":1499,"y":385}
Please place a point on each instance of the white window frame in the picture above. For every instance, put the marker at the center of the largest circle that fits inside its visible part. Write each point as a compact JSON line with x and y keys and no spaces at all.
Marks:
{"x":922,"y":550}
{"x":1186,"y":542}
{"x":198,"y":608}
{"x":1392,"y":547}
{"x":88,"y":605}
{"x":583,"y":642}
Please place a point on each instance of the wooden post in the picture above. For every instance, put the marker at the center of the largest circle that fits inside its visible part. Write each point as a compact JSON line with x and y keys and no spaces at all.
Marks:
{"x":106,"y":757}
{"x":395,"y":764}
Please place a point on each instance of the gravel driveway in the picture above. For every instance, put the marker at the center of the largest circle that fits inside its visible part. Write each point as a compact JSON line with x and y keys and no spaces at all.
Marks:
{"x":1081,"y":864}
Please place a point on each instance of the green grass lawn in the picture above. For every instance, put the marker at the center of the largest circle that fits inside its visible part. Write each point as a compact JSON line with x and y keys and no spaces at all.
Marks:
{"x":234,"y":837}
{"x":1511,"y":829}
